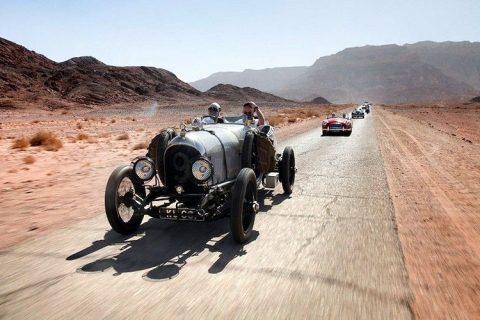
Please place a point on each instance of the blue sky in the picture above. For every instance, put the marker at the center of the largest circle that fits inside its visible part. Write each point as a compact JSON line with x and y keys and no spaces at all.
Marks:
{"x":196,"y":38}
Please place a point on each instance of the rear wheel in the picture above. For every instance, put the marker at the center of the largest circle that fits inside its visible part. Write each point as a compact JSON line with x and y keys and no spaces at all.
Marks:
{"x":244,"y":205}
{"x":287,"y":170}
{"x":119,"y":194}
{"x":324,"y":132}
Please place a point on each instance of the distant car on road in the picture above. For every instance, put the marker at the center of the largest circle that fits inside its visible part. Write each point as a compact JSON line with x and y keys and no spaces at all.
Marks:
{"x":366,"y":107}
{"x":358,"y":113}
{"x":337,"y":124}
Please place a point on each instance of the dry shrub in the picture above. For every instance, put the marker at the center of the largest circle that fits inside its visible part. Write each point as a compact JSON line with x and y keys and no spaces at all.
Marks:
{"x":82,"y":136}
{"x":292,"y":120}
{"x":140,"y":146}
{"x":188,"y":121}
{"x":20,"y":143}
{"x":64,"y":112}
{"x":123,"y":136}
{"x":35,"y":121}
{"x":79,"y":125}
{"x":276,"y":120}
{"x":113,"y":121}
{"x":46,"y":139}
{"x":29,"y":159}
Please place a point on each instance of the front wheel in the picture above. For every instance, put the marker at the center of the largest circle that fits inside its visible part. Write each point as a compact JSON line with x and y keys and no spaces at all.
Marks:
{"x":119,"y":194}
{"x":244,"y":205}
{"x":287,"y":170}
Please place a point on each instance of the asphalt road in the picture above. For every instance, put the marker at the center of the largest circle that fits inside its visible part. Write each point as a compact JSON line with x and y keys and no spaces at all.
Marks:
{"x":330,"y":250}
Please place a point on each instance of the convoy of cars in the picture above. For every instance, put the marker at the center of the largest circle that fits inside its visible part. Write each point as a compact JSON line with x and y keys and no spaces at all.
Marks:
{"x":205,"y":172}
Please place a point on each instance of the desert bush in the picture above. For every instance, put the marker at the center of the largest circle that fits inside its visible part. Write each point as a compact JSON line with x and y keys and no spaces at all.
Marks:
{"x":140,"y":146}
{"x":82,"y":136}
{"x":113,"y":121}
{"x":79,"y":125}
{"x":29,"y":159}
{"x":64,"y":112}
{"x":20,"y":143}
{"x":123,"y":136}
{"x":276,"y":120}
{"x":46,"y":139}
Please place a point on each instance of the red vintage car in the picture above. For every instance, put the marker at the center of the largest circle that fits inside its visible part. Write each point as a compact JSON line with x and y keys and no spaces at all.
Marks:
{"x":337,"y":124}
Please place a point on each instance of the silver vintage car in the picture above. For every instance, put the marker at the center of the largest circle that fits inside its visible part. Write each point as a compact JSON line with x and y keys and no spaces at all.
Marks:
{"x":201,"y":173}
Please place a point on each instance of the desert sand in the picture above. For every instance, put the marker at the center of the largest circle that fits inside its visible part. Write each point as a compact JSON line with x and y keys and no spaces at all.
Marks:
{"x":432,"y":158}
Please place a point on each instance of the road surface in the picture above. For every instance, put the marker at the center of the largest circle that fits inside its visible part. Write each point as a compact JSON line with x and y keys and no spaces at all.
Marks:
{"x":331,"y":250}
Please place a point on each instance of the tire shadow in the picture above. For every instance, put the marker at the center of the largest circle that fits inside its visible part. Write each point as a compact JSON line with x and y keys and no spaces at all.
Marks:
{"x":166,"y":246}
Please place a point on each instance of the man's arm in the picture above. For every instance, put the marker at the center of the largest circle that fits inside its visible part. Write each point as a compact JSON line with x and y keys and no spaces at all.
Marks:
{"x":261,"y":118}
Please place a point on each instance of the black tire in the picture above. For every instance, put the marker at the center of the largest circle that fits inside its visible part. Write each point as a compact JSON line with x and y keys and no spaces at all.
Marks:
{"x":244,"y":205}
{"x":349,"y":133}
{"x":324,"y":132}
{"x":156,"y":150}
{"x":287,"y":170}
{"x":249,"y":153}
{"x":116,"y":213}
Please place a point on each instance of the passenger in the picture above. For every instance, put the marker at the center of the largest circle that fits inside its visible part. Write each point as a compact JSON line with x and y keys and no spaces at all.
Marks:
{"x":250,"y":109}
{"x":213,"y":114}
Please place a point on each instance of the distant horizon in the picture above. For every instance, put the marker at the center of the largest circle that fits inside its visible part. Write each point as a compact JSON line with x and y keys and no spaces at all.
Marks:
{"x":245,"y":69}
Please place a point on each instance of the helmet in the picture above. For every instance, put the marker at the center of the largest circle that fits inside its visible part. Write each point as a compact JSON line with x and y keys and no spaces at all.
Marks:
{"x":214,"y":107}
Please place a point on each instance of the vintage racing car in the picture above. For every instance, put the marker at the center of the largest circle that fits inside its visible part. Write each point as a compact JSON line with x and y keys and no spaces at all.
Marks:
{"x":201,"y":173}
{"x":337,"y":124}
{"x":358,"y":113}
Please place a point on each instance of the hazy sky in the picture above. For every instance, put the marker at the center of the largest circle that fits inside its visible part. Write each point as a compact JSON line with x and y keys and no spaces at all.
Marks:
{"x":196,"y":38}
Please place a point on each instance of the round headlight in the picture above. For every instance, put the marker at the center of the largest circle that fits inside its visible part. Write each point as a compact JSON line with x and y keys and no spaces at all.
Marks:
{"x":144,"y":169}
{"x":202,"y":169}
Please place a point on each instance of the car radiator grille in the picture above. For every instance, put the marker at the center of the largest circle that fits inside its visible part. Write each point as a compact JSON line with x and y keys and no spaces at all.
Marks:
{"x":178,"y":168}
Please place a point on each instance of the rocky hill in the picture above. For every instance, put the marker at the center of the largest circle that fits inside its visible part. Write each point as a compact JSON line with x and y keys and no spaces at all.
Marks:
{"x":26,"y":76}
{"x":228,"y":92}
{"x":320,"y":100}
{"x":425,"y":71}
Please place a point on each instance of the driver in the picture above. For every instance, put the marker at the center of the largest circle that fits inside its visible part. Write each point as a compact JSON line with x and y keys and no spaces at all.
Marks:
{"x":250,"y":109}
{"x":213,"y":114}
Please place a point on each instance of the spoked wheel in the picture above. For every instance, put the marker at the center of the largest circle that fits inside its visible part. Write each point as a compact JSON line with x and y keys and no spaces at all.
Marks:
{"x":287,"y":170}
{"x":119,"y":195}
{"x":244,"y":205}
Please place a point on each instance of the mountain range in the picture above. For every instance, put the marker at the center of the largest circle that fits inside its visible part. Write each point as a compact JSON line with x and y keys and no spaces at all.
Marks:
{"x":424,"y":71}
{"x":29,"y":78}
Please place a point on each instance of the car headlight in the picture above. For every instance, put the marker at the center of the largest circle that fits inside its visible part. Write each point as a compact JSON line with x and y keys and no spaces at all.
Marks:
{"x":202,"y":169}
{"x":144,"y":169}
